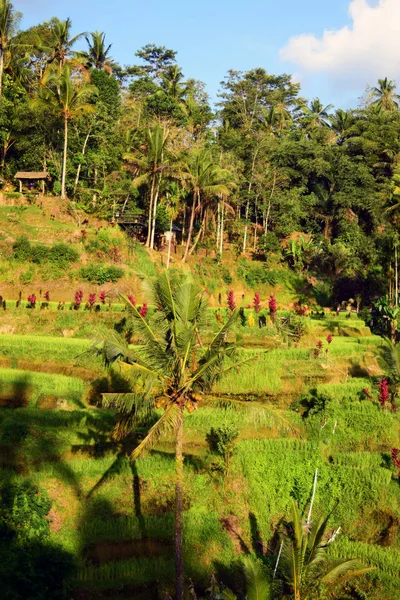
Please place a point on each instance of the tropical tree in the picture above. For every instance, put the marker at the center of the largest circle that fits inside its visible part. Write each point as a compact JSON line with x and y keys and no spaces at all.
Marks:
{"x":58,"y":42}
{"x":341,"y":123}
{"x":154,"y":160}
{"x":170,"y":369}
{"x":304,"y":564}
{"x":385,"y":96}
{"x":9,"y":21}
{"x":69,"y":95}
{"x":316,"y":114}
{"x":97,"y":55}
{"x":204,"y":178}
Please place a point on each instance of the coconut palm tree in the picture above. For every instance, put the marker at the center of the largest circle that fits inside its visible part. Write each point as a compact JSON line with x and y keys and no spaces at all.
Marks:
{"x":341,"y":123}
{"x":204,"y":178}
{"x":69,"y":95}
{"x":170,"y":369}
{"x":304,"y":564}
{"x":316,"y":115}
{"x":97,"y":56}
{"x":9,"y":21}
{"x":155,"y":160}
{"x":59,"y":43}
{"x":385,"y":96}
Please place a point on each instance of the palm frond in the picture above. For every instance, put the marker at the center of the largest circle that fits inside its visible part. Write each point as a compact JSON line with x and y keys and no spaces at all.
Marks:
{"x":347,"y":567}
{"x":257,"y":584}
{"x":166,"y":423}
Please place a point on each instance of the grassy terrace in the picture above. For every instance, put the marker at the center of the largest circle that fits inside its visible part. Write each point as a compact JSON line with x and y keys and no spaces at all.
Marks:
{"x":116,"y":519}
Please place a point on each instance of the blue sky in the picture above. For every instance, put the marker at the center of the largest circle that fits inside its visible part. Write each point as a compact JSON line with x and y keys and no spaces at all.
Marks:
{"x":214,"y":36}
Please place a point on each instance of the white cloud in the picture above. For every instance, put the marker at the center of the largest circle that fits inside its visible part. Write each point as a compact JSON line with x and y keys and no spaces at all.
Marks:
{"x":356,"y":55}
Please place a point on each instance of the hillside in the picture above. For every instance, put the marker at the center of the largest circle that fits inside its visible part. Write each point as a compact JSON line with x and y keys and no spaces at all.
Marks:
{"x":110,"y":525}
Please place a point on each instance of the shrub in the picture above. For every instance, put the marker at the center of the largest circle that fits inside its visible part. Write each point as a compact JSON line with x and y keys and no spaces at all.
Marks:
{"x":101,"y":274}
{"x":59,"y":254}
{"x":63,"y":254}
{"x":21,"y":249}
{"x":221,"y":442}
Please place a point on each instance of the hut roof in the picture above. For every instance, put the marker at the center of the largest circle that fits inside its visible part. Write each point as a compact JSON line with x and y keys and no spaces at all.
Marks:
{"x":31,"y":175}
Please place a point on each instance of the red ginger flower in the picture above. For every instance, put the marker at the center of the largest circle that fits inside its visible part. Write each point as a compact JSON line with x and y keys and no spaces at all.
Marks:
{"x":132,"y":300}
{"x":257,"y":302}
{"x":383,"y":392}
{"x":143,"y":310}
{"x":231,"y":301}
{"x":329,"y":338}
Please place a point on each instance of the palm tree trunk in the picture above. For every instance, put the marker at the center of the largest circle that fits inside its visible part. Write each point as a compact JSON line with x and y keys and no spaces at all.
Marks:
{"x":221,"y":239}
{"x":78,"y":172}
{"x":153,"y":224}
{"x":150,"y":213}
{"x":1,"y":72}
{"x":189,"y":237}
{"x":64,"y":165}
{"x":169,"y":245}
{"x":179,"y":509}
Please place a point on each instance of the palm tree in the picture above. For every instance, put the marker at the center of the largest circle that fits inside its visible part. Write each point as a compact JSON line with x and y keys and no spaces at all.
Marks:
{"x":97,"y":56}
{"x":9,"y":20}
{"x":385,"y":96}
{"x":341,"y":123}
{"x":317,"y":115}
{"x":154,"y":160}
{"x":170,"y":369}
{"x":304,"y":565}
{"x":205,"y":179}
{"x":70,"y":96}
{"x":59,"y":44}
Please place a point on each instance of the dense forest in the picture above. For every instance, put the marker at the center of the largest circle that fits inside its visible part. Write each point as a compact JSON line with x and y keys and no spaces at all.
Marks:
{"x":261,"y":165}
{"x":199,"y":340}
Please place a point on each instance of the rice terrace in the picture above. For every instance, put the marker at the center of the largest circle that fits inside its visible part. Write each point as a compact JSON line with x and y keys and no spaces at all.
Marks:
{"x":199,"y":329}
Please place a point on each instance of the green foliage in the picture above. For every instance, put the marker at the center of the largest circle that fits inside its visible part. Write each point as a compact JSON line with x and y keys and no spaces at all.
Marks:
{"x":100,"y":274}
{"x":59,"y":254}
{"x":221,"y":441}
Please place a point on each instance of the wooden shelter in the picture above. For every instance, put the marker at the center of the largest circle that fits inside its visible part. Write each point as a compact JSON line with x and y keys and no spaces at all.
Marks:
{"x":30,"y":178}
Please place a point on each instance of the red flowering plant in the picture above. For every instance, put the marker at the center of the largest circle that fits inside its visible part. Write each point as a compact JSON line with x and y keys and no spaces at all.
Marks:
{"x":395,"y":455}
{"x":132,"y":300}
{"x":143,"y":310}
{"x":31,"y":301}
{"x":231,"y":301}
{"x":384,"y":396}
{"x":78,"y":299}
{"x":91,"y":301}
{"x":47,"y":296}
{"x":257,"y":302}
{"x":273,"y":307}
{"x":103,"y":296}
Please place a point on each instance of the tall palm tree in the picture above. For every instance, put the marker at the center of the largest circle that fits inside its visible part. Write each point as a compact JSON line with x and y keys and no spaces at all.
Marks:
{"x":304,"y":565}
{"x":59,"y":43}
{"x":154,"y":160}
{"x":385,"y":96}
{"x":170,"y":369}
{"x":204,"y":178}
{"x":9,"y":21}
{"x":98,"y":54}
{"x":69,"y":95}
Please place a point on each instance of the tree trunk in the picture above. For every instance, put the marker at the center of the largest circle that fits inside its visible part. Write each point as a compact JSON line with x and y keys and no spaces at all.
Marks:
{"x":221,"y":238}
{"x":150,"y":213}
{"x":1,"y":72}
{"x":64,"y":165}
{"x":78,"y":172}
{"x":153,"y":224}
{"x":269,"y":203}
{"x":178,"y":537}
{"x":245,"y":227}
{"x":169,"y":245}
{"x":189,"y":237}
